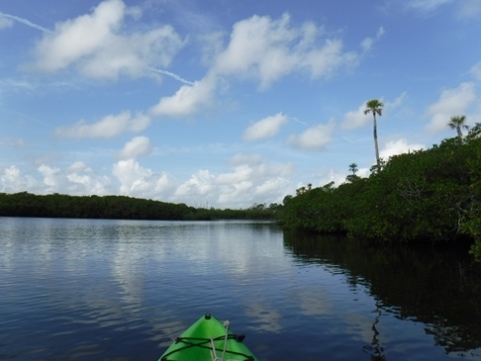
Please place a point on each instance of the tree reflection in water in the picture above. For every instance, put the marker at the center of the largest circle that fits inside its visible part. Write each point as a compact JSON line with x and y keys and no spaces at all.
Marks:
{"x":437,"y":285}
{"x":375,"y":349}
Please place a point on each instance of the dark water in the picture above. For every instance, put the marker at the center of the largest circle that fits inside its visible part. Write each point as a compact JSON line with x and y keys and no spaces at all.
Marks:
{"x":123,"y":290}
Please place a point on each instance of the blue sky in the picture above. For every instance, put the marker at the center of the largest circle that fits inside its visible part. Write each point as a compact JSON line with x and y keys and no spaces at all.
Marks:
{"x":223,"y":103}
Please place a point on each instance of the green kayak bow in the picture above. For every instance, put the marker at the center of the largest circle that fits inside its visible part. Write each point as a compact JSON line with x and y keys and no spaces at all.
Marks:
{"x":208,"y":339}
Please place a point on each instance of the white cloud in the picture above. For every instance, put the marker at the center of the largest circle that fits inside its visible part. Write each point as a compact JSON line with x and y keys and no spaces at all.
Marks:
{"x":396,"y":103}
{"x":135,"y":148}
{"x":188,"y":100}
{"x":452,"y":102}
{"x":12,"y":180}
{"x":108,"y":127}
{"x":268,"y":49}
{"x":368,"y":42}
{"x":53,"y":178}
{"x":399,"y":146}
{"x":5,"y":22}
{"x":316,"y":137}
{"x":94,"y":45}
{"x":133,"y":55}
{"x":80,"y":37}
{"x":248,"y":172}
{"x":253,"y":180}
{"x":77,"y":179}
{"x":242,"y":174}
{"x":82,"y":180}
{"x":266,"y":127}
{"x":426,"y":5}
{"x":356,"y":118}
{"x":264,"y":49}
{"x":465,"y":8}
{"x":200,"y":184}
{"x":138,"y":181}
{"x":476,"y":71}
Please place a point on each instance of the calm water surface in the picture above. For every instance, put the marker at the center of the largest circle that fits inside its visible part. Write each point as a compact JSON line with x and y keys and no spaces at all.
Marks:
{"x":123,"y":290}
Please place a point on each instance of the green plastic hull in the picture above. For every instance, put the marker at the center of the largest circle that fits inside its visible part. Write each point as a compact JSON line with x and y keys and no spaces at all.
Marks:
{"x":206,"y":340}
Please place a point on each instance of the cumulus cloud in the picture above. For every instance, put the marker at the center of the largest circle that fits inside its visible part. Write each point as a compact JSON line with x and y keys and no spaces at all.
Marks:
{"x":108,"y":127}
{"x":139,"y":181}
{"x":249,"y":171}
{"x":76,"y":179}
{"x":263,"y":49}
{"x":267,"y":49}
{"x":12,"y":180}
{"x":135,"y":148}
{"x":94,"y":44}
{"x":452,"y":102}
{"x":82,"y":180}
{"x":200,"y":184}
{"x":249,"y":179}
{"x":266,"y":127}
{"x":356,"y":118}
{"x":188,"y":100}
{"x":314,"y":138}
{"x":53,"y":178}
{"x":399,"y":146}
{"x":253,"y":180}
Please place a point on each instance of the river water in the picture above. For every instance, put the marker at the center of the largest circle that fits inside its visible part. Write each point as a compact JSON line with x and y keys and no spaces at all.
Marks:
{"x":123,"y":290}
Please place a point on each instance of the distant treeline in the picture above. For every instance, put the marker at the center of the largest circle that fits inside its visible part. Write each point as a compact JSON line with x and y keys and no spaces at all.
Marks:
{"x":119,"y":207}
{"x":427,"y":195}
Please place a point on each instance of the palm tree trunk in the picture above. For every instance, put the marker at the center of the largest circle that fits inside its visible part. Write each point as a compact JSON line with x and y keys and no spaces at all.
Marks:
{"x":460,"y":135}
{"x":375,"y":143}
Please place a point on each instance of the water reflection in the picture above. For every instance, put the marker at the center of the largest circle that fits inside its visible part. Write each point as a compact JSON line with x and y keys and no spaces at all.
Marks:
{"x":98,"y":290}
{"x":440,"y":287}
{"x":267,"y":318}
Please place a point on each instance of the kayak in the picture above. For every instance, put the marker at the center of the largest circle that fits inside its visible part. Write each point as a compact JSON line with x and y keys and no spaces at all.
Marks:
{"x":208,"y":339}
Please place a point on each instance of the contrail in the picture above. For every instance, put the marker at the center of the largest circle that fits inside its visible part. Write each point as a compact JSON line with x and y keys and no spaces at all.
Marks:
{"x":26,"y":22}
{"x":298,"y":121}
{"x":172,"y":75}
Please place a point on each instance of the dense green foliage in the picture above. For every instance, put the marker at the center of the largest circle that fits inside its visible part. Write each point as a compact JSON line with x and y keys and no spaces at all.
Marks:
{"x":432,"y":195}
{"x":118,"y":207}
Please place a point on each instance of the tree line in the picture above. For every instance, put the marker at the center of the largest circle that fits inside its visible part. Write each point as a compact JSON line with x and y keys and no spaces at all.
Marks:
{"x":25,"y":204}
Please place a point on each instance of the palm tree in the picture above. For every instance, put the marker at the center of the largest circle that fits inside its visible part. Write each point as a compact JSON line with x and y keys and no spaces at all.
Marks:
{"x":457,"y":123}
{"x":374,"y":106}
{"x":353,"y":168}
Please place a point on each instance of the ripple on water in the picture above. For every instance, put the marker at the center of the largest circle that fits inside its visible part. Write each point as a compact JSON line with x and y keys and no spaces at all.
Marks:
{"x":117,"y":290}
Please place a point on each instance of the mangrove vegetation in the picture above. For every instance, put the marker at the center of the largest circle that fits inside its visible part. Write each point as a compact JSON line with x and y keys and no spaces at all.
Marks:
{"x":119,"y":207}
{"x":429,"y":195}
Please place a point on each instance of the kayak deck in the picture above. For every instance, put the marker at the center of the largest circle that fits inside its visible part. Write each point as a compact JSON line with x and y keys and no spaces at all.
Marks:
{"x":208,"y":339}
